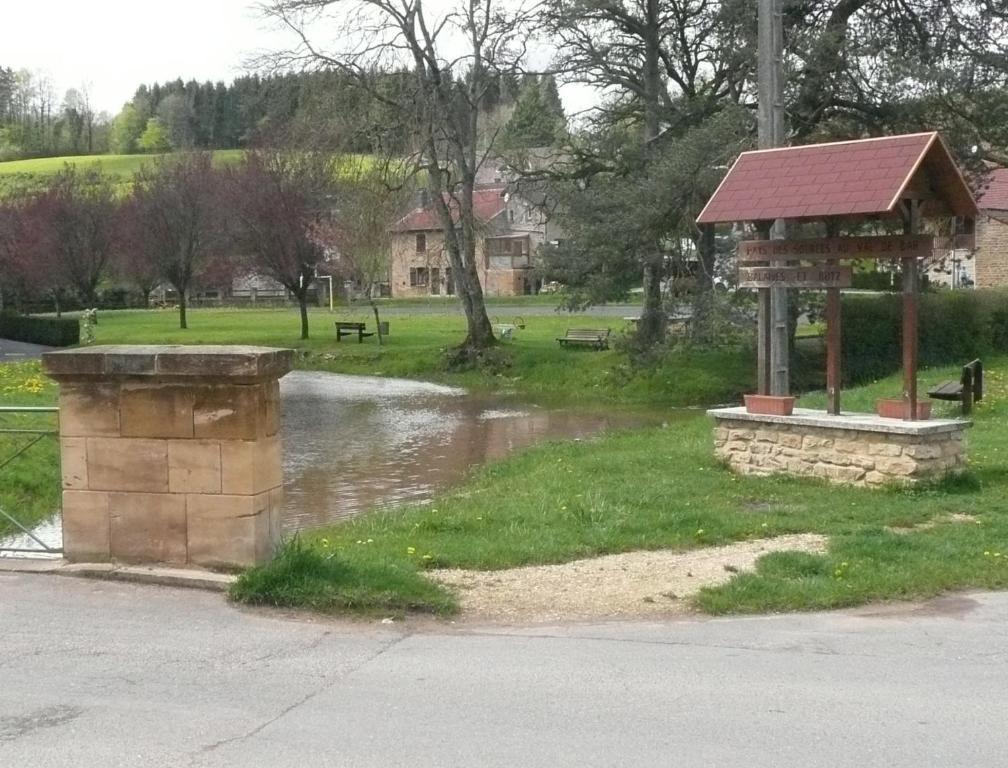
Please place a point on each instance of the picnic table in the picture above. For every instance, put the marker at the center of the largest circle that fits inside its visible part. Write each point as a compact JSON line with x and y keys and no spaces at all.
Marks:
{"x":347,"y":328}
{"x":596,"y":338}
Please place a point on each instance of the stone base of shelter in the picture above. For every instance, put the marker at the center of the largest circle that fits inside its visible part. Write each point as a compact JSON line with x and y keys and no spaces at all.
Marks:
{"x":849,"y":449}
{"x":170,"y":454}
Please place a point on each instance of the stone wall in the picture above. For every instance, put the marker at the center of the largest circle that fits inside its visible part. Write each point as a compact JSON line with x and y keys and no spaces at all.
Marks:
{"x":170,"y":455}
{"x":862,"y":450}
{"x":991,"y":267}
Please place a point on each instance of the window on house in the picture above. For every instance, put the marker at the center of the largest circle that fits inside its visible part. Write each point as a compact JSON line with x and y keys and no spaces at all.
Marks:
{"x":965,"y":225}
{"x":419,"y":277}
{"x":507,"y":252}
{"x":421,"y":243}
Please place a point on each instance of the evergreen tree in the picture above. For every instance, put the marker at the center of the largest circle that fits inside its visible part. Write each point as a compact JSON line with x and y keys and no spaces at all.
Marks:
{"x":536,"y":121}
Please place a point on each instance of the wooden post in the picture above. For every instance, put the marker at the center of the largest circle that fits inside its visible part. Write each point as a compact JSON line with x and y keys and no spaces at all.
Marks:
{"x":911,"y":226}
{"x":833,"y":338}
{"x":774,"y":373}
{"x":764,"y":328}
{"x":833,"y":343}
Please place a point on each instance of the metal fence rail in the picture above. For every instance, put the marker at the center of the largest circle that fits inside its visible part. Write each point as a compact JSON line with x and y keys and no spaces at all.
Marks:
{"x":33,"y":436}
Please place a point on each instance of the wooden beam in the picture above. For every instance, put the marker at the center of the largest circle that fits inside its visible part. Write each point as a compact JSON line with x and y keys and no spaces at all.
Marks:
{"x":833,"y":338}
{"x":911,"y":226}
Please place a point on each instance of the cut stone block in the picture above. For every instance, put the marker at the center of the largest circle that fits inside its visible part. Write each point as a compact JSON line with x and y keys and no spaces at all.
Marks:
{"x":73,"y":463}
{"x":194,"y":466}
{"x":86,"y":526}
{"x":148,"y":527}
{"x":127,"y":464}
{"x":251,"y":467}
{"x":228,"y":412}
{"x":156,"y":411}
{"x":228,"y":530}
{"x":89,"y":409}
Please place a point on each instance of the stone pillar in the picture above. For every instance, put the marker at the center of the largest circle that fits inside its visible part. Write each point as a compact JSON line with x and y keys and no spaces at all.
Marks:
{"x":170,"y":454}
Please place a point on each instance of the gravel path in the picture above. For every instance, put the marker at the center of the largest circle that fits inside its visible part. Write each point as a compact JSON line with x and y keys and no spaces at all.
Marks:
{"x":646,"y":584}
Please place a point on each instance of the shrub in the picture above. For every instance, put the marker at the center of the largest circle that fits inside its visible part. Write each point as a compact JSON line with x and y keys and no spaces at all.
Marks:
{"x":954,"y":327}
{"x":874,"y":280}
{"x":53,"y":332}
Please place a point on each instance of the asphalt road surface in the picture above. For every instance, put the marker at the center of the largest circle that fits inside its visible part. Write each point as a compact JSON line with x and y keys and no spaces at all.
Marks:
{"x":19,"y":351}
{"x":110,"y":674}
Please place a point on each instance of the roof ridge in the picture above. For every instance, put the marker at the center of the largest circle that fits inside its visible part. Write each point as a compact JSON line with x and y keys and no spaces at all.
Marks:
{"x":842,"y":143}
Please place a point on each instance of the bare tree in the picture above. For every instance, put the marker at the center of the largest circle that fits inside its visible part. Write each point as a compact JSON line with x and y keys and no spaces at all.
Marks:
{"x":176,"y":223}
{"x":278,"y":199}
{"x":358,"y":229}
{"x":452,"y":59}
{"x":76,"y":222}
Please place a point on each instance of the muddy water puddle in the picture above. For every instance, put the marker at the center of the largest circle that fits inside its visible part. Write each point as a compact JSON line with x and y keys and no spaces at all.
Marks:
{"x":353,"y":443}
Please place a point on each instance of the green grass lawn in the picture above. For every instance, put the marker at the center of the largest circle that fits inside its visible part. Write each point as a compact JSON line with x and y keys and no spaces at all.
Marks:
{"x":663,"y":488}
{"x":641,"y":489}
{"x":531,"y":364}
{"x":29,"y":483}
{"x":115,"y":165}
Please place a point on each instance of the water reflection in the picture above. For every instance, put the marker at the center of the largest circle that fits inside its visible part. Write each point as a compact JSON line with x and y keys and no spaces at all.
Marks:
{"x":352,"y":443}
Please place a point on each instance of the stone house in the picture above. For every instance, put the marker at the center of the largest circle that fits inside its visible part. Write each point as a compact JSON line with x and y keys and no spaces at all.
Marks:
{"x":991,"y":255}
{"x":511,"y":229}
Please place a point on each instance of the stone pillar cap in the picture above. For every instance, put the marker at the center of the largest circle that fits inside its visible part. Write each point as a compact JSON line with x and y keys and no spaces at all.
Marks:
{"x":179,"y":362}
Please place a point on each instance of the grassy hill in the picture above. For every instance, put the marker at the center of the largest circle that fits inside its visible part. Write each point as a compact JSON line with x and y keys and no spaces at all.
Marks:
{"x":117,"y":165}
{"x":21,"y":176}
{"x":24,"y":175}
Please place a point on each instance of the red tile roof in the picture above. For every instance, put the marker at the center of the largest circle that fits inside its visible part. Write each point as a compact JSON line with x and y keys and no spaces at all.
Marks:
{"x":993,"y":194}
{"x":844,"y":178}
{"x":488,"y":202}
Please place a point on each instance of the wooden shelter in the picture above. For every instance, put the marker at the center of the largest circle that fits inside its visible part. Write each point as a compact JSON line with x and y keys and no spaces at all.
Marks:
{"x":906,"y":179}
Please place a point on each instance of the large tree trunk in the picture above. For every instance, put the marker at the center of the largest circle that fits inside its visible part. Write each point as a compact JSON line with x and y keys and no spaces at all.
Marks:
{"x":182,"y":308}
{"x":302,"y":298}
{"x":460,"y":243}
{"x":377,"y":320}
{"x":651,"y":328}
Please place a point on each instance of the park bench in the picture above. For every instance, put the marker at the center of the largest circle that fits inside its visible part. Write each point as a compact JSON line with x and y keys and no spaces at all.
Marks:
{"x":967,"y":390}
{"x":597,"y":338}
{"x":350,"y":329}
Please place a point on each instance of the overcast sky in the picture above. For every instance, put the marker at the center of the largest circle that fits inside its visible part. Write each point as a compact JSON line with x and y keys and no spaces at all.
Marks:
{"x":112,"y":46}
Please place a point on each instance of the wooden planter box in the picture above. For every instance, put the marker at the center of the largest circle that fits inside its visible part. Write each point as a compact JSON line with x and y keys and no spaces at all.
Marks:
{"x":770,"y":405}
{"x":894,"y":408}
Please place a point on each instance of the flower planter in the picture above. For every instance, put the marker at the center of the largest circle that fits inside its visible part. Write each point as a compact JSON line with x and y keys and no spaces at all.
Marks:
{"x":894,"y":408}
{"x":770,"y":405}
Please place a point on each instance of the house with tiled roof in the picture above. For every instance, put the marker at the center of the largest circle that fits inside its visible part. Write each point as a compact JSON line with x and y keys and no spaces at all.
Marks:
{"x":990,"y":260}
{"x":510,"y":229}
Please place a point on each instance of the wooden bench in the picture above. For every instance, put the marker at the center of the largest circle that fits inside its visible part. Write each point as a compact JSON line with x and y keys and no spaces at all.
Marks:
{"x":350,"y":329}
{"x":967,"y":390}
{"x":596,"y":338}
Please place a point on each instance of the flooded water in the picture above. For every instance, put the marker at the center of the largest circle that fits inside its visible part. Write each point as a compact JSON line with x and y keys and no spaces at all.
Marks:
{"x":352,"y":443}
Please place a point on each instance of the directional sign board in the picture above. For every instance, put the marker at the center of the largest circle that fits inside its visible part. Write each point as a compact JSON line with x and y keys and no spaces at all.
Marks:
{"x":794,"y":277}
{"x":825,"y":248}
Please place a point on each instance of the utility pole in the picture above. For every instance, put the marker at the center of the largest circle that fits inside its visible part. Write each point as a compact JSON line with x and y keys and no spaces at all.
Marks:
{"x":773,"y":301}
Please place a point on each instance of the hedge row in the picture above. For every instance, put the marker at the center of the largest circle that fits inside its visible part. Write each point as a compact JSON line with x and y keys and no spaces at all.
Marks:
{"x":63,"y":332}
{"x":955,"y":327}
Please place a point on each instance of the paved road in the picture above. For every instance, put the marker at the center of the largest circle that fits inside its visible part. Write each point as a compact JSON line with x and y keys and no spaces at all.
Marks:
{"x":18,"y":351}
{"x":106,"y":674}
